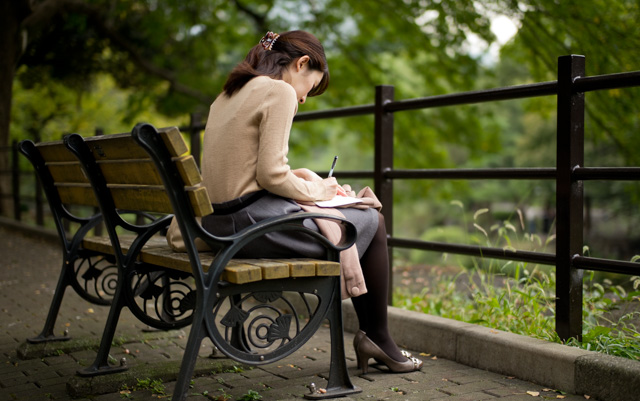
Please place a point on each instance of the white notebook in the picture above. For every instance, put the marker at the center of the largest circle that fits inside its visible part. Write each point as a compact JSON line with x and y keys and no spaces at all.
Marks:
{"x":339,"y":201}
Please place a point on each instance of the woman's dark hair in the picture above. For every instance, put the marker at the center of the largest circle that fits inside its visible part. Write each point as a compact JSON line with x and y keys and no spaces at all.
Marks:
{"x":288,"y":47}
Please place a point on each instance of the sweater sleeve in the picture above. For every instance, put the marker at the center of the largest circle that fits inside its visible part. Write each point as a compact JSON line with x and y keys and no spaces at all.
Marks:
{"x":273,"y":172}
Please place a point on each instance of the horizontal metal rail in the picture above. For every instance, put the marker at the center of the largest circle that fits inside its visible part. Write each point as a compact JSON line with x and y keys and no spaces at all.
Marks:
{"x":609,"y":81}
{"x":472,"y":97}
{"x":478,"y":251}
{"x":475,"y":174}
{"x":606,"y":265}
{"x":353,"y":111}
{"x":607,"y":173}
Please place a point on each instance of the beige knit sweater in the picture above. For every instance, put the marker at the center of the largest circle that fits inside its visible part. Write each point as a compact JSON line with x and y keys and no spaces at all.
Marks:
{"x":245,"y":150}
{"x":246,"y":144}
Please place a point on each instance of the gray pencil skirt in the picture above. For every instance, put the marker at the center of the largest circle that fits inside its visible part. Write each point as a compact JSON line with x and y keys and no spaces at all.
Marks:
{"x":237,"y":214}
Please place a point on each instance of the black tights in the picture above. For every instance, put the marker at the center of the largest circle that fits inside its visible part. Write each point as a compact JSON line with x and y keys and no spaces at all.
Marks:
{"x":371,"y":307}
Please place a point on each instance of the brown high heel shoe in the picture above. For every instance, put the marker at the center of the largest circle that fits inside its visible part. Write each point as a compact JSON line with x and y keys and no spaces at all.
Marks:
{"x":356,"y":340}
{"x":367,"y":349}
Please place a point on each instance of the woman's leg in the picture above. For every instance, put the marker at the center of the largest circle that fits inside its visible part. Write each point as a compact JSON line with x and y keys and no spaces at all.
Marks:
{"x":371,"y":307}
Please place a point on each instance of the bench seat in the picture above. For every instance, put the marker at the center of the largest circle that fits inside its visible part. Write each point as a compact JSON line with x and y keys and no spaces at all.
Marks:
{"x":238,"y":271}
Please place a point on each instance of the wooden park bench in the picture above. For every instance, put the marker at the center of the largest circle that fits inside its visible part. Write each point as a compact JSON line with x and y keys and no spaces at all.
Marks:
{"x":243,"y":306}
{"x":93,"y":275}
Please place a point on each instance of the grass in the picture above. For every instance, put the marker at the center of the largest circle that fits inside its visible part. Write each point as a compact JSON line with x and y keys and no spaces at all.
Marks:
{"x":519,"y":298}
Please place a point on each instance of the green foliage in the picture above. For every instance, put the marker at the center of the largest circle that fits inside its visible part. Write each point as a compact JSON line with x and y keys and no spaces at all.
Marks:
{"x":156,"y":386}
{"x":520,"y":298}
{"x":47,"y":111}
{"x":250,"y":396}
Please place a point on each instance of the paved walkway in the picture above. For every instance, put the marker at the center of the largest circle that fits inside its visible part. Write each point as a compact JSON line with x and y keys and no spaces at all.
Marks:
{"x":29,"y":267}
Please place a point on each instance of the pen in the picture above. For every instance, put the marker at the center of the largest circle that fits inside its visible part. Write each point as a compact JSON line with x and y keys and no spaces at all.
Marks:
{"x":333,"y":165}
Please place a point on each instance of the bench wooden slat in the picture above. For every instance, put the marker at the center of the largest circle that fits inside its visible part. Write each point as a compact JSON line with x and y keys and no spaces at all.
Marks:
{"x":77,"y":194}
{"x":174,"y":141}
{"x":131,"y":172}
{"x":118,"y":147}
{"x":67,"y":172}
{"x":147,"y":198}
{"x":188,"y":170}
{"x":241,"y":273}
{"x":164,"y":256}
{"x":270,"y":269}
{"x":200,"y":201}
{"x":326,"y":267}
{"x":55,"y":152}
{"x":300,"y":267}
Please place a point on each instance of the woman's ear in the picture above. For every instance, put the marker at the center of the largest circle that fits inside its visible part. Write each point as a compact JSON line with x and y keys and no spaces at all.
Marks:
{"x":302,"y":61}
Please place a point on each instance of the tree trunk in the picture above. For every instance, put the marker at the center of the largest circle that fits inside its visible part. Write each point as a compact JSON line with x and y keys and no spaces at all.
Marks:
{"x":12,"y":13}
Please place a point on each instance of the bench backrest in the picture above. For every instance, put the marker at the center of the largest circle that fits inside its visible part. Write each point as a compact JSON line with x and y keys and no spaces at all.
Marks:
{"x":60,"y":172}
{"x":131,"y":177}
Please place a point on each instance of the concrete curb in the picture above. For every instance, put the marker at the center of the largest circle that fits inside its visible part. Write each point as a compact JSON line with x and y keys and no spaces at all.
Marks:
{"x":45,"y":234}
{"x":554,"y":365}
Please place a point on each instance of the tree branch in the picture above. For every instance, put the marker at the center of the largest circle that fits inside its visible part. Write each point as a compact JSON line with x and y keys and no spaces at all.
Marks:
{"x":45,"y":11}
{"x":259,"y":19}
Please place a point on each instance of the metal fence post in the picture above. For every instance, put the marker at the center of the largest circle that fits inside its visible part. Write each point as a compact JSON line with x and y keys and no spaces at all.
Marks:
{"x":15,"y":178}
{"x":569,"y":198}
{"x":39,"y":198}
{"x":194,"y":136}
{"x":99,"y":229}
{"x":383,"y":162}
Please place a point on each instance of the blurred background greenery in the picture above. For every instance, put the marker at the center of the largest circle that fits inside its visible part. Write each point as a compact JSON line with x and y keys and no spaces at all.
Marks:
{"x":74,"y":66}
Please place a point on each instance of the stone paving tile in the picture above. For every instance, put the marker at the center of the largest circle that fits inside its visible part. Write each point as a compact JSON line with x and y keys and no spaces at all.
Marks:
{"x":474,"y":396}
{"x":472,"y":387}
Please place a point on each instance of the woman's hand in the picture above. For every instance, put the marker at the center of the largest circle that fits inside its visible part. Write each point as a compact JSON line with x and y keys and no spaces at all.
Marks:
{"x":348,"y":191}
{"x":333,"y":188}
{"x":306,"y":174}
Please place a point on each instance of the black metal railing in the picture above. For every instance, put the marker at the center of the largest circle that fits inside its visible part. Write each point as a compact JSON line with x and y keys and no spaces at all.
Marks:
{"x":569,"y":174}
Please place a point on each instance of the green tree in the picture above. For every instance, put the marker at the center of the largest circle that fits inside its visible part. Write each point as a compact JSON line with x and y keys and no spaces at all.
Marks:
{"x":178,"y":53}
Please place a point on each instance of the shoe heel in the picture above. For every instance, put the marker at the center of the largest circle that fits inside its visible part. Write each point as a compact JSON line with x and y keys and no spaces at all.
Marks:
{"x":356,"y":342}
{"x":363,"y":363}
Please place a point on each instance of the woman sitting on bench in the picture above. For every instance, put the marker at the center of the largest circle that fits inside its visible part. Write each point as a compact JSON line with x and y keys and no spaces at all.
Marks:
{"x":246,"y":171}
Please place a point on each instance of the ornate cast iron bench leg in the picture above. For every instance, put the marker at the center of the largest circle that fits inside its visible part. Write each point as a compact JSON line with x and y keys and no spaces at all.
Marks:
{"x":46,"y":335}
{"x":100,"y":365}
{"x":339,"y":383}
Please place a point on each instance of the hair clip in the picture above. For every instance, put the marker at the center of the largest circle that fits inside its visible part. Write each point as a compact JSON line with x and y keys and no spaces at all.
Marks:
{"x":268,"y":40}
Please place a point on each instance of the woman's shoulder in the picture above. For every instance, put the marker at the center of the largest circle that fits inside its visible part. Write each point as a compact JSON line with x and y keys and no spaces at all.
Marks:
{"x":269,"y":85}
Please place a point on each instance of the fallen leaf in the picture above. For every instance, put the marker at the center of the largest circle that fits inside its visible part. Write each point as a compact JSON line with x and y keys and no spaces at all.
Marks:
{"x":533,"y":393}
{"x":588,"y":397}
{"x":435,"y":358}
{"x":561,"y":396}
{"x":424,"y":354}
{"x":90,"y":310}
{"x":548,"y":389}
